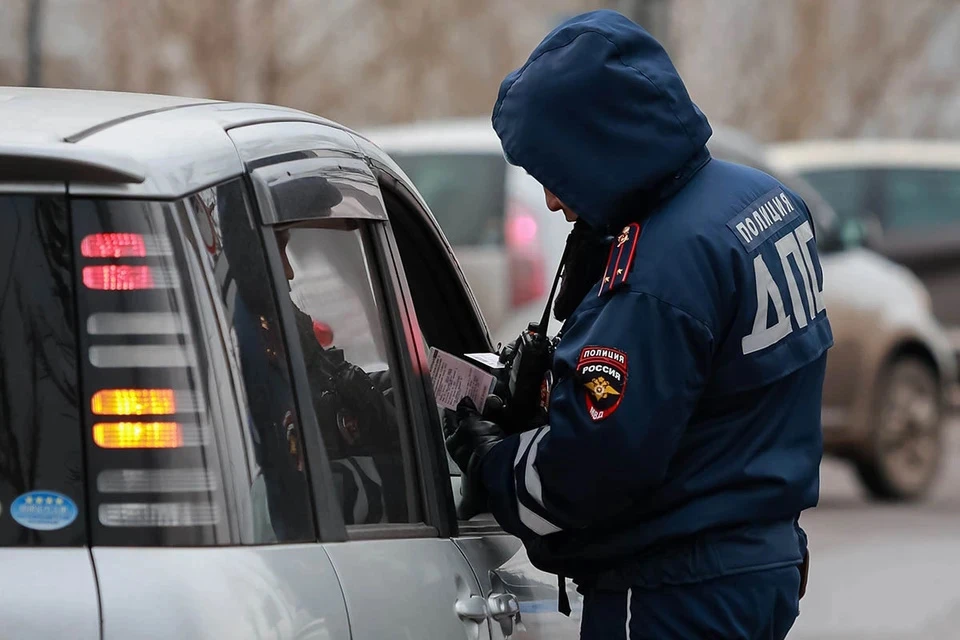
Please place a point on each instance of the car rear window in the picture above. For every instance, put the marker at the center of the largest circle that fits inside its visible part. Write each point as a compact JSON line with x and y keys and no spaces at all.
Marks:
{"x":41,"y":451}
{"x":465,"y":192}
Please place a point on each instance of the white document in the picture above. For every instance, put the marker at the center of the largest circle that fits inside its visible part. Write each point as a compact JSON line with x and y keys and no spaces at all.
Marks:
{"x":454,"y":379}
{"x":490,"y":360}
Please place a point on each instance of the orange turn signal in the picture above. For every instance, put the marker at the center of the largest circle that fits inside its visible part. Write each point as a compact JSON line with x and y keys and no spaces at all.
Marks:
{"x":138,"y":435}
{"x":134,"y":402}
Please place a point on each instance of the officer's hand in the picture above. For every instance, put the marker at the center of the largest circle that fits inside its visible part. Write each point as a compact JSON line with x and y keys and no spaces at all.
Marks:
{"x":469,"y":436}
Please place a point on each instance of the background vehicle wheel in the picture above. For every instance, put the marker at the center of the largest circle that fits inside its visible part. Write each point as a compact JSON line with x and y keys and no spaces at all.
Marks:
{"x":904,"y":451}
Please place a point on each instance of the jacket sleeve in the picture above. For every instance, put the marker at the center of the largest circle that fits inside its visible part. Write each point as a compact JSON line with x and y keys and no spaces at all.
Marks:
{"x":584,"y":468}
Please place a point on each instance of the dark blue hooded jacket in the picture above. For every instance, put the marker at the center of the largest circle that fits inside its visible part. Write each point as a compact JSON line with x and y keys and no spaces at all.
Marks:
{"x":684,"y":417}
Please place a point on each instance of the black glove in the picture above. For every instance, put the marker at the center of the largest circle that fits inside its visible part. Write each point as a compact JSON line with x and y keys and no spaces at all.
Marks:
{"x":469,"y":437}
{"x":358,"y":393}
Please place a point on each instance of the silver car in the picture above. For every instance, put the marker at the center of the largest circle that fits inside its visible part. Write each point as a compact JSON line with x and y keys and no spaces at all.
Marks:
{"x":216,"y":417}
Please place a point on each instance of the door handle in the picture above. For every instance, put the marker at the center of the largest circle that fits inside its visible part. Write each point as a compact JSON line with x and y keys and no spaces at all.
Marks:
{"x":505,"y":609}
{"x":503,"y":605}
{"x":472,"y":608}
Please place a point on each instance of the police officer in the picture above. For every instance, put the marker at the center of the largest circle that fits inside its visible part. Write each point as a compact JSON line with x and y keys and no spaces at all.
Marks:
{"x":683,"y":437}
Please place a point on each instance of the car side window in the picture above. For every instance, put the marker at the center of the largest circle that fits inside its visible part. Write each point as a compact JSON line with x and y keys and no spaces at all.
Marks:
{"x":279,"y":505}
{"x":920,"y":199}
{"x":445,"y":317}
{"x":844,"y":189}
{"x":341,"y":326}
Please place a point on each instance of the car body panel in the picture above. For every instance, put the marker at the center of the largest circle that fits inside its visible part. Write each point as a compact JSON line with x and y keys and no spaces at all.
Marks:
{"x":278,"y":592}
{"x":181,"y":152}
{"x":68,"y":113}
{"x":48,"y":593}
{"x":863,"y":289}
{"x":503,"y":567}
{"x":406,"y":588}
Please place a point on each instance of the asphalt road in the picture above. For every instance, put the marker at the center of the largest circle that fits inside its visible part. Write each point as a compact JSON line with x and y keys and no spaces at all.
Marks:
{"x":883,"y":572}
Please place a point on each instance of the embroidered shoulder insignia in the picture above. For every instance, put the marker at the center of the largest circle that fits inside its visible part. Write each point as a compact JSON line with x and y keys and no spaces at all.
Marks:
{"x":620,"y":261}
{"x":603,"y":373}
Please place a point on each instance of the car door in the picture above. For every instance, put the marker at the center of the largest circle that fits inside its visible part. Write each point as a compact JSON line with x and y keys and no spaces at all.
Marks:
{"x":325,"y":229}
{"x":522,"y":601}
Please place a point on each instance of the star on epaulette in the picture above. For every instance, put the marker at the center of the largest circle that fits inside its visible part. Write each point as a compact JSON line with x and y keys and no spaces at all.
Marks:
{"x":620,"y":261}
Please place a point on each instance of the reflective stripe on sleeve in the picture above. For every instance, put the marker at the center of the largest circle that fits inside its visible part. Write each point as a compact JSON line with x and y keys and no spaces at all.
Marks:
{"x":531,"y":483}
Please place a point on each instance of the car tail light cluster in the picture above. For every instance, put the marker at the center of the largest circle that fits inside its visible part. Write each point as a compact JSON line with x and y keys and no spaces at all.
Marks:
{"x":525,"y":257}
{"x":146,"y":419}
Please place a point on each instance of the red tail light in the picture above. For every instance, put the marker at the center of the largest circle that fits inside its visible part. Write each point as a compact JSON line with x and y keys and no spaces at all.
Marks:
{"x":118,"y":277}
{"x":113,"y":245}
{"x":527,"y":274}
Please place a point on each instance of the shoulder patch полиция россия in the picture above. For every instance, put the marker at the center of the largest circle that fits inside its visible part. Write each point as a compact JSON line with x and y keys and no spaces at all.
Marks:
{"x":603,"y":372}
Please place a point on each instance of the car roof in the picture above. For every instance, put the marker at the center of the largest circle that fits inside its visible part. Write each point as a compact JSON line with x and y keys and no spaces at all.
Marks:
{"x":822,"y":154}
{"x":139,"y":145}
{"x":38,"y":116}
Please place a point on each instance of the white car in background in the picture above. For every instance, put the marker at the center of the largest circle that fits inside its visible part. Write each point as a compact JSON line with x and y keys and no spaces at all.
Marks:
{"x":903,"y":196}
{"x":493,"y":214}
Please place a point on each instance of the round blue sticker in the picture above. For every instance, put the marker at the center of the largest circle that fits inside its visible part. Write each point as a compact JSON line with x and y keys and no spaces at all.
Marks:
{"x":43,"y":510}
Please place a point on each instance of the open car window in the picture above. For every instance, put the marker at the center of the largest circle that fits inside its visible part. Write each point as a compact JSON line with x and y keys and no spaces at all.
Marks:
{"x":444,"y":312}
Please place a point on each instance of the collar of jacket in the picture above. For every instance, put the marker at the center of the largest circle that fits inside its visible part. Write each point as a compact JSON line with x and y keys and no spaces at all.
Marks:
{"x":653,"y":198}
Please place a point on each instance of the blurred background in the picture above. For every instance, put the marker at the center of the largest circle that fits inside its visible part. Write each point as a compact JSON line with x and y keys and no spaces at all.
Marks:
{"x":854,"y":104}
{"x":777,"y":70}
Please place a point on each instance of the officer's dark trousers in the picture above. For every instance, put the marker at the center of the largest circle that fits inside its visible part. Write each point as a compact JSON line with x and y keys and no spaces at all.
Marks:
{"x":752,"y":606}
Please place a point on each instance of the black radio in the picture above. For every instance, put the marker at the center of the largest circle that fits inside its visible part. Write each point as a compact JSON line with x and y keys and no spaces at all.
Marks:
{"x":517,"y":404}
{"x":526,"y":362}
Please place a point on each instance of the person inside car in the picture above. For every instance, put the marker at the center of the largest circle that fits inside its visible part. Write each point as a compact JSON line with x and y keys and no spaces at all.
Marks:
{"x":355,"y":413}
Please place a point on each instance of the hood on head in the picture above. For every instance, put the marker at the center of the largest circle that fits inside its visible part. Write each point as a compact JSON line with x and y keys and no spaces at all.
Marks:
{"x":599,"y":116}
